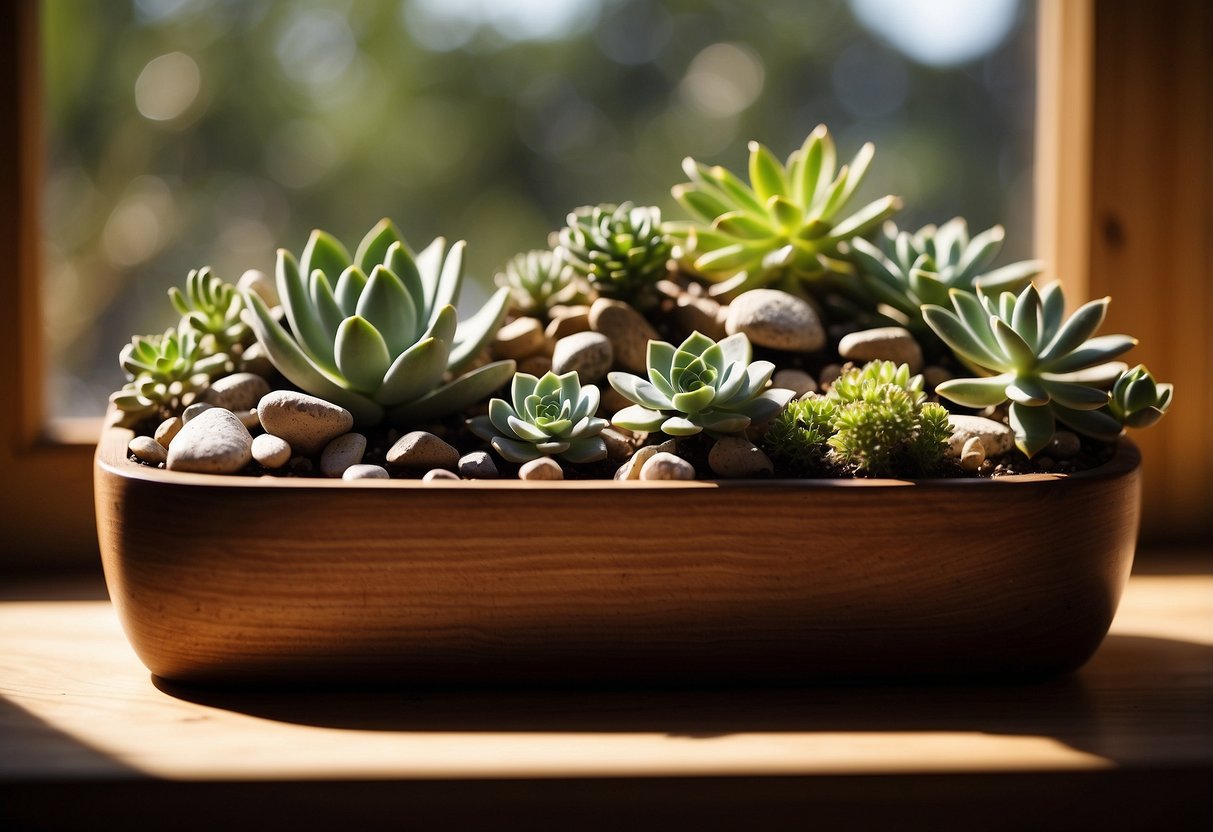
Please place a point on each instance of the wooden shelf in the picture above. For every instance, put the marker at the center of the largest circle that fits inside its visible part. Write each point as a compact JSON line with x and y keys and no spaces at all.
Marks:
{"x":1128,"y":738}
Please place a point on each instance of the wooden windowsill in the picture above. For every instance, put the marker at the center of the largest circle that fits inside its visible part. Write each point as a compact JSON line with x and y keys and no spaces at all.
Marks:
{"x":1128,"y":738}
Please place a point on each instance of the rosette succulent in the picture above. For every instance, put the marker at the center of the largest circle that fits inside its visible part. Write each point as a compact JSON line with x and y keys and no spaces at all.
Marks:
{"x":377,"y":333}
{"x":1034,"y":356}
{"x":1138,"y":401}
{"x":906,"y":271}
{"x":538,"y":280}
{"x":621,"y":250}
{"x":785,"y":227}
{"x":166,"y":373}
{"x":213,"y":309}
{"x":700,"y":385}
{"x":549,"y":416}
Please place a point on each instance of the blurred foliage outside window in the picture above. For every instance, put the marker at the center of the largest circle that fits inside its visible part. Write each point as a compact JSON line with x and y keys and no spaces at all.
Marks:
{"x":183,"y":133}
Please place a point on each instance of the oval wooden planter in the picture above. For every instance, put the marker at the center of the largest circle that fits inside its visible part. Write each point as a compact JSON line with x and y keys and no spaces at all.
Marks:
{"x":235,"y":580}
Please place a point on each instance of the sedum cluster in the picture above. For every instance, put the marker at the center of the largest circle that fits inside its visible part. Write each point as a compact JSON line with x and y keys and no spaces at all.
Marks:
{"x":167,"y":372}
{"x":538,"y":280}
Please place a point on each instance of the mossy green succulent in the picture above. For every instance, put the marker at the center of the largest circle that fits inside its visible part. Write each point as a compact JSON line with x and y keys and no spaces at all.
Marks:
{"x":798,"y":437}
{"x":165,"y":374}
{"x":549,"y":416}
{"x":538,"y":280}
{"x":621,"y":250}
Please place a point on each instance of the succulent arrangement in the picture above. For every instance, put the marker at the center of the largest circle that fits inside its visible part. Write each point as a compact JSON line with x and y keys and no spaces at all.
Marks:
{"x":779,"y":330}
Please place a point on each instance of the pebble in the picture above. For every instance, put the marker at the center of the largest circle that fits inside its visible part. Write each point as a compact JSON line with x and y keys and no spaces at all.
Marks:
{"x":255,"y":360}
{"x":520,"y":338}
{"x":544,"y":468}
{"x":213,"y":442}
{"x":193,"y":410}
{"x":341,"y":453}
{"x":271,"y":451}
{"x":630,"y":470}
{"x":587,"y":353}
{"x":666,"y":466}
{"x":308,"y":423}
{"x":1065,"y":444}
{"x":239,"y":391}
{"x":618,"y":444}
{"x":439,"y":474}
{"x":776,"y":319}
{"x":168,"y":429}
{"x":627,"y":330}
{"x":798,"y":381}
{"x":419,"y":449}
{"x":477,"y":465}
{"x":734,"y":457}
{"x":146,"y":449}
{"x":934,"y":375}
{"x":567,"y":321}
{"x":996,"y":438}
{"x":693,"y":313}
{"x":885,"y":343}
{"x":249,"y":418}
{"x":536,"y":365}
{"x":366,"y":472}
{"x":828,"y":375}
{"x":973,"y":454}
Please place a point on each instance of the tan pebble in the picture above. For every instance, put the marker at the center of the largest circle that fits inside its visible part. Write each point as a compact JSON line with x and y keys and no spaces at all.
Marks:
{"x":628,"y":331}
{"x":544,"y":468}
{"x":146,"y":449}
{"x":271,"y":451}
{"x":829,"y":374}
{"x":520,"y":338}
{"x":439,"y":474}
{"x":798,"y":381}
{"x":341,"y":453}
{"x":536,"y":365}
{"x":575,"y":319}
{"x":193,"y":410}
{"x":973,"y":454}
{"x":365,"y":472}
{"x":420,"y":449}
{"x":168,"y":429}
{"x":249,"y":418}
{"x":667,"y":466}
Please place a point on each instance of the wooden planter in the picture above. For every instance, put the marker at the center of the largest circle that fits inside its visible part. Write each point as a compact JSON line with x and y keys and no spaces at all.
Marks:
{"x":235,"y":580}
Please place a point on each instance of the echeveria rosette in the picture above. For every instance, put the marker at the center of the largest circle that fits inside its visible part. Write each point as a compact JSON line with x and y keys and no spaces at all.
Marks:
{"x":699,"y":386}
{"x":1036,"y":358}
{"x":165,"y":373}
{"x":538,"y":280}
{"x":621,"y":250}
{"x":785,"y":227}
{"x":1137,"y":400}
{"x":212,"y":308}
{"x":383,"y":340}
{"x":909,"y":270}
{"x":549,"y":416}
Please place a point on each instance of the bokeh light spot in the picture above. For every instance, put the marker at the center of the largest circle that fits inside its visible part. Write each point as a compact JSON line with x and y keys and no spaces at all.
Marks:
{"x":723,"y":80}
{"x":939,"y":32}
{"x":167,"y":86}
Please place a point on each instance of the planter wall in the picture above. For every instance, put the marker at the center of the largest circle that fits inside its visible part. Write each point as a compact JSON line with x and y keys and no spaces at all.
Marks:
{"x":233,"y":580}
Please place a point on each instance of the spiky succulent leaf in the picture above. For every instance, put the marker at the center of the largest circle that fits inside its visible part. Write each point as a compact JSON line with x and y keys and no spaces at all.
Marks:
{"x":621,"y":250}
{"x":549,"y":416}
{"x":538,"y":280}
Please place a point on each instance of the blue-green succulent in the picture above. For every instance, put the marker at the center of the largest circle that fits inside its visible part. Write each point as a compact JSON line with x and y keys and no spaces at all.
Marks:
{"x":165,"y":374}
{"x":538,"y":280}
{"x":212,"y":308}
{"x":549,"y":416}
{"x":377,"y":333}
{"x":621,"y":250}
{"x":1137,"y":400}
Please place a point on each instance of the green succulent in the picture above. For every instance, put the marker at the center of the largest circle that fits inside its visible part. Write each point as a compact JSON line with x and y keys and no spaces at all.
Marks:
{"x":538,"y":280}
{"x":1137,"y":400}
{"x":783,"y":229}
{"x":798,"y":438}
{"x":1033,"y":356}
{"x":621,"y":250}
{"x":906,"y":271}
{"x":213,"y":309}
{"x":165,"y":374}
{"x":378,"y":333}
{"x":549,"y":416}
{"x":700,"y":385}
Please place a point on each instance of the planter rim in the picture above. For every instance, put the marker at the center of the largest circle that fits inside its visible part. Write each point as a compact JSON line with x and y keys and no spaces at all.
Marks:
{"x":111,"y":457}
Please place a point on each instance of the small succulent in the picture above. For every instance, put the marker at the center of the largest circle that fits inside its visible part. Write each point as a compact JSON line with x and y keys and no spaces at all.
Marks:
{"x":166,"y":373}
{"x":538,"y":280}
{"x":378,"y":333}
{"x":906,"y":271}
{"x":1034,"y":356}
{"x":700,"y":385}
{"x":1138,"y":401}
{"x":549,"y":416}
{"x":213,"y":309}
{"x":786,"y":227}
{"x":621,"y":250}
{"x":798,"y":440}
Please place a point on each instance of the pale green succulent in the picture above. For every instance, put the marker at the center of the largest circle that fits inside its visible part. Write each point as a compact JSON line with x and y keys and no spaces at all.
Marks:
{"x":213,"y":309}
{"x":621,"y":250}
{"x":785,"y":228}
{"x":1035,"y":358}
{"x":377,"y":333}
{"x":1138,"y":401}
{"x":166,"y":373}
{"x":906,"y":271}
{"x":549,"y":416}
{"x":538,"y":280}
{"x":700,"y":385}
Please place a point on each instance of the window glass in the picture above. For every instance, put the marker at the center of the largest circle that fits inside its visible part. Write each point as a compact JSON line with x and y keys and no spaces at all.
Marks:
{"x":183,"y":133}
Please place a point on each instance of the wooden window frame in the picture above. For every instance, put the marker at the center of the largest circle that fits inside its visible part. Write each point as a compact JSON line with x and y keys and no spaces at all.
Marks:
{"x":1098,"y":235}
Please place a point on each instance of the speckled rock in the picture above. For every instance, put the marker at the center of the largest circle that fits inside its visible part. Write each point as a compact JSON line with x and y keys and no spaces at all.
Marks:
{"x":630,"y":470}
{"x":146,"y":449}
{"x":627,"y":330}
{"x":520,"y":338}
{"x":193,"y":410}
{"x":249,"y":418}
{"x":308,"y":423}
{"x":775,"y":319}
{"x":734,"y":457}
{"x":588,"y":353}
{"x":477,"y":465}
{"x":798,"y":381}
{"x":422,"y":450}
{"x":239,"y":391}
{"x":366,"y":472}
{"x":436,"y":474}
{"x":566,"y":321}
{"x":271,"y":451}
{"x":996,"y":438}
{"x":695,"y":313}
{"x":167,"y":429}
{"x":341,"y":453}
{"x":666,"y":466}
{"x":619,"y":444}
{"x":535,"y":365}
{"x":213,"y":442}
{"x":544,"y":468}
{"x":885,"y":343}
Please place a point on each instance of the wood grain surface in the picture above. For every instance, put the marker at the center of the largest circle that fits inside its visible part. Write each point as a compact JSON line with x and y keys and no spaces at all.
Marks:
{"x":222,"y":579}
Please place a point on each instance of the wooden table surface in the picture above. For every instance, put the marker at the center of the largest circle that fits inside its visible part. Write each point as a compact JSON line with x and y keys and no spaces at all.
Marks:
{"x":1127,"y":740}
